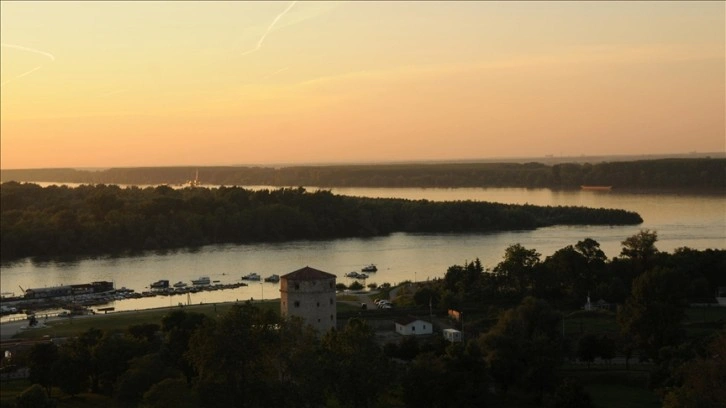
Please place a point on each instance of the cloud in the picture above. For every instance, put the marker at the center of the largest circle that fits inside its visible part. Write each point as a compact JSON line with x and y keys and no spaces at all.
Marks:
{"x":275,"y":73}
{"x":27,"y":49}
{"x":269,"y":28}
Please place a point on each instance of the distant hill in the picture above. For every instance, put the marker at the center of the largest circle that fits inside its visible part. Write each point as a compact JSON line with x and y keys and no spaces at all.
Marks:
{"x":667,"y":173}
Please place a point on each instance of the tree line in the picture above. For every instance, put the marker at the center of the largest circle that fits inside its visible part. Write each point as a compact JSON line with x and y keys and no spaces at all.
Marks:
{"x":107,"y":219}
{"x":679,"y":174}
{"x":250,"y":357}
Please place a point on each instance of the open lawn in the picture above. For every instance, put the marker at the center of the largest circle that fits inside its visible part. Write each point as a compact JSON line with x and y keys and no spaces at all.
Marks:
{"x":119,"y":321}
{"x":12,"y":389}
{"x":621,"y":396}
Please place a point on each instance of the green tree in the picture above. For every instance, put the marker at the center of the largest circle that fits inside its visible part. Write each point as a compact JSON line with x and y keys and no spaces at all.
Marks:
{"x":525,"y":346}
{"x":653,"y":313}
{"x":34,"y":397}
{"x":703,"y":379}
{"x":355,"y":367}
{"x":516,"y":270}
{"x":170,"y":393}
{"x":640,"y":248}
{"x":41,"y":358}
{"x":569,"y":394}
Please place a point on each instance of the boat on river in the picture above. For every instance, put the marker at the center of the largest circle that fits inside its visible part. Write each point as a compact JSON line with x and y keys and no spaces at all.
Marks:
{"x":369,"y":268}
{"x":203,"y":280}
{"x":597,"y":188}
{"x":160,"y":284}
{"x":180,"y":284}
{"x":273,"y":278}
{"x":252,"y":276}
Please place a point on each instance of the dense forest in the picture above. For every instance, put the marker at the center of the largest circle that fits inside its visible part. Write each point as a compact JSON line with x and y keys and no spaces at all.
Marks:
{"x":102,"y":219}
{"x":675,"y":174}
{"x":515,"y":353}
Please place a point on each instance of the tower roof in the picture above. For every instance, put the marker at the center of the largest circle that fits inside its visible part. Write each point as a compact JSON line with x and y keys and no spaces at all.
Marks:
{"x":308,"y":273}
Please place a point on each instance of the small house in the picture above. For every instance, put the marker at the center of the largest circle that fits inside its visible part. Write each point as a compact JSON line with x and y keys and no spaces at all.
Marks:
{"x":452,"y":335}
{"x":412,"y":326}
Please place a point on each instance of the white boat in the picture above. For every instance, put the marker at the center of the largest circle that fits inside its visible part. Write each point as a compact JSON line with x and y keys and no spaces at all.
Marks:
{"x":353,"y":274}
{"x":369,"y":268}
{"x":252,"y":276}
{"x":272,"y":278}
{"x":203,"y":280}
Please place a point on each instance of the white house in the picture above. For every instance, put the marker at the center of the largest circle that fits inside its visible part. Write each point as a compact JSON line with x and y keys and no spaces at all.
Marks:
{"x":452,"y":335}
{"x":411,"y":326}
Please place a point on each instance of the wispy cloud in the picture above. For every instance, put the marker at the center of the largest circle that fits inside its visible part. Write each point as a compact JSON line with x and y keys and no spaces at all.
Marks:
{"x":269,"y":28}
{"x":275,"y":73}
{"x":27,"y":49}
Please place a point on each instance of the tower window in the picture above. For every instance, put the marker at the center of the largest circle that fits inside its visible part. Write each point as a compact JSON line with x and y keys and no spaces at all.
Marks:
{"x":297,"y":286}
{"x":318,"y":304}
{"x":297,"y":303}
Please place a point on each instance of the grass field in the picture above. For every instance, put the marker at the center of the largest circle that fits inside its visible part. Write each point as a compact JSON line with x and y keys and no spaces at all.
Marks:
{"x":621,"y":396}
{"x":12,"y":389}
{"x":119,"y":321}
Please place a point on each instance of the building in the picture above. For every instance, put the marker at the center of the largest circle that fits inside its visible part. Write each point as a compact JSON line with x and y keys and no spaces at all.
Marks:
{"x":411,"y":326}
{"x":310,"y":294}
{"x":452,"y":335}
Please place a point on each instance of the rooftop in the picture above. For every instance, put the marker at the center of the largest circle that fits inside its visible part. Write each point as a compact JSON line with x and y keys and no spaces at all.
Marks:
{"x":308,"y":273}
{"x":407,"y":320}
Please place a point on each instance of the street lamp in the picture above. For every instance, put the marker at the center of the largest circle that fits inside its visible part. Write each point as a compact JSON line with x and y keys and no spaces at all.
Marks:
{"x":262,"y":288}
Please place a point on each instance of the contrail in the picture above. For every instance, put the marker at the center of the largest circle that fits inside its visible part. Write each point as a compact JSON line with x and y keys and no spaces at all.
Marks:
{"x":28,"y":49}
{"x":262,"y":39}
{"x":276,"y":72}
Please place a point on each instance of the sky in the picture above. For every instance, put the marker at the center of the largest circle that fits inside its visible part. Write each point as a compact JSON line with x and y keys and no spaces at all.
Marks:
{"x":124,"y":84}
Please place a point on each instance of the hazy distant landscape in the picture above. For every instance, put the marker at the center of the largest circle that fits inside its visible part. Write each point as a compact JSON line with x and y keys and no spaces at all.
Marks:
{"x":671,"y":173}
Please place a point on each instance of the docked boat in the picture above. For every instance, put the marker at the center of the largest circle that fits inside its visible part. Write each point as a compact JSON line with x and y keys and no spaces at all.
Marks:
{"x":252,"y":276}
{"x":204,"y":280}
{"x":180,"y":284}
{"x":273,"y":278}
{"x":160,"y":284}
{"x":353,"y":274}
{"x":369,"y":268}
{"x":597,"y":188}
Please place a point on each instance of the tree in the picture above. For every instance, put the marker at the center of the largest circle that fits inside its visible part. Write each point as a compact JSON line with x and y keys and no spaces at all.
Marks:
{"x":71,"y":370}
{"x":355,"y":367}
{"x":653,"y":313}
{"x":587,"y":348}
{"x":525,"y":346}
{"x":42,"y":356}
{"x":640,"y":248}
{"x":516,"y":270}
{"x":703,"y":379}
{"x":33,"y":397}
{"x":569,"y":394}
{"x":170,"y":393}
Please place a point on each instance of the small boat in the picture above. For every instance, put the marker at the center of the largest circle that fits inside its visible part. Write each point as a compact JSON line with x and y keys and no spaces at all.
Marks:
{"x":180,"y":284}
{"x":369,"y":268}
{"x":252,"y":276}
{"x":362,"y":276}
{"x":161,"y":284}
{"x":597,"y":188}
{"x":273,"y":278}
{"x":353,"y":274}
{"x":204,"y":280}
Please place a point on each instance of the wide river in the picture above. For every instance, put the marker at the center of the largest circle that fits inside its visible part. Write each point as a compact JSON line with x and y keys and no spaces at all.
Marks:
{"x":696,"y":221}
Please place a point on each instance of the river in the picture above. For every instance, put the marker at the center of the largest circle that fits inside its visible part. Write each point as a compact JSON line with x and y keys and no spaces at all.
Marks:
{"x":696,"y":221}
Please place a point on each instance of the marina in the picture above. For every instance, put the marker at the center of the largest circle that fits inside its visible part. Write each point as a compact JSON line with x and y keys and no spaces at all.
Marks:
{"x":694,"y":221}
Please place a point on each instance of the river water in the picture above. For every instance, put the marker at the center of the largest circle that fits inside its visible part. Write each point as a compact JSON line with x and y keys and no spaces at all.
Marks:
{"x":697,"y":221}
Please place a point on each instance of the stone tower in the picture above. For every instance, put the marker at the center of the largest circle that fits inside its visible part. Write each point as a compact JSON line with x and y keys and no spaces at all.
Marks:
{"x":310,"y":294}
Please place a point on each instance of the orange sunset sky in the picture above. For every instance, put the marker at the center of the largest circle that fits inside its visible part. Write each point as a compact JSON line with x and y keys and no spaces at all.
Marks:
{"x":108,"y":84}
